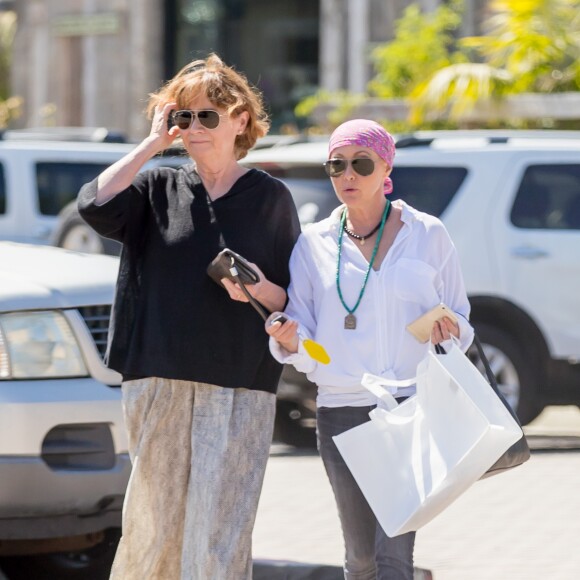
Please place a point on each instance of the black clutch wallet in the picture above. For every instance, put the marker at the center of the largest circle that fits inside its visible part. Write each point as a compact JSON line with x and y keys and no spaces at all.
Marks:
{"x":228,"y":264}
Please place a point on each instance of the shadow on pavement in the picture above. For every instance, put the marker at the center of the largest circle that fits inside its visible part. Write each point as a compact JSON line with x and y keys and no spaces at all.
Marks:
{"x":553,"y":443}
{"x":280,"y":570}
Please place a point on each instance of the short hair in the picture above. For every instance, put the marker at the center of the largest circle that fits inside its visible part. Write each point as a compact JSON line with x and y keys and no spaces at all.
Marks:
{"x":225,"y":88}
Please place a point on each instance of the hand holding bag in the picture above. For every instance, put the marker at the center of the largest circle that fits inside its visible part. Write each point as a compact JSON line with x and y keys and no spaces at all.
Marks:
{"x":414,"y":460}
{"x":221,"y":267}
{"x":228,"y":264}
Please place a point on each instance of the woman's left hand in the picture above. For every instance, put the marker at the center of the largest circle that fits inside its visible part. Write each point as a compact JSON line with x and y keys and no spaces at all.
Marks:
{"x":444,"y":329}
{"x":235,"y":291}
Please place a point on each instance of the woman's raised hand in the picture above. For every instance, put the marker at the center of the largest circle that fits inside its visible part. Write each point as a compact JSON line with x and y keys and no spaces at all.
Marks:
{"x":160,"y":132}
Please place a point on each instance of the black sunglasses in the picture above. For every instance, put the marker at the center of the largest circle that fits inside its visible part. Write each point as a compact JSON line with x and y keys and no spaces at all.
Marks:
{"x":208,"y":118}
{"x":362,"y":165}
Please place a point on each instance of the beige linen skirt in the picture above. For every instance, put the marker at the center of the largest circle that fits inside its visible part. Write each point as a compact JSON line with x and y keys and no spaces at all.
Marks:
{"x":199,"y":453}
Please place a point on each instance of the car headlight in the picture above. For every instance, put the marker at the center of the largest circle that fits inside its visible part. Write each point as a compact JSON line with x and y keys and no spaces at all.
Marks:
{"x":38,"y":345}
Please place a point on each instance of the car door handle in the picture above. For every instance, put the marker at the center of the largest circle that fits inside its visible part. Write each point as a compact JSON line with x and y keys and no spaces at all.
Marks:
{"x":529,"y":252}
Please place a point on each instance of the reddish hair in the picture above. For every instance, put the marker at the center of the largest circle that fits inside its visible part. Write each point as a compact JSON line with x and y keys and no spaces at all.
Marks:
{"x":225,"y":88}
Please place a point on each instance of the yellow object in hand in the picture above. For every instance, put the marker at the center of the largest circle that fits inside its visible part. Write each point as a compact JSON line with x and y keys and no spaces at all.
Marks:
{"x":316,"y":351}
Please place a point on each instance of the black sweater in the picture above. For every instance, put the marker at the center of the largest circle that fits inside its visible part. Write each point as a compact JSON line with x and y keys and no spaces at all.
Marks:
{"x":169,"y":318}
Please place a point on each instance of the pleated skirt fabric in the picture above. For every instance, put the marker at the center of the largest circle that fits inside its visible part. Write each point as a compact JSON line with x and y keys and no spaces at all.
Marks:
{"x":199,"y":454}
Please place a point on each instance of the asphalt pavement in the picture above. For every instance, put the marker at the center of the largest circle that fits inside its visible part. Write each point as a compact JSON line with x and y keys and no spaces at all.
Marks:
{"x":520,"y":525}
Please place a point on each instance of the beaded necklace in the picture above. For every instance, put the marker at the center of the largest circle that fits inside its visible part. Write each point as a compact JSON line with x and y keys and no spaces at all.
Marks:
{"x":360,"y":238}
{"x":350,"y":319}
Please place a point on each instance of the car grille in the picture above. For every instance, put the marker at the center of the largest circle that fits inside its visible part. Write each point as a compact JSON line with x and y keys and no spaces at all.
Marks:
{"x":97,"y":320}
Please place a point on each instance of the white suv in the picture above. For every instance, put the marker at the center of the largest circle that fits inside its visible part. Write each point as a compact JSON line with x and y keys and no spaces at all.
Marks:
{"x":64,"y":464}
{"x":41,"y":172}
{"x":511,"y":203}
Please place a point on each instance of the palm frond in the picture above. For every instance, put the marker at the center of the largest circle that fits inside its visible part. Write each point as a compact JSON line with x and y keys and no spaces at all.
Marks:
{"x":456,"y":90}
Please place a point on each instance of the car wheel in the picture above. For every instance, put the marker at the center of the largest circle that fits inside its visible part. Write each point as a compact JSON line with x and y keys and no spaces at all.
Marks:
{"x":81,"y":238}
{"x":295,"y":425}
{"x":517,"y":378}
{"x":73,"y":233}
{"x":91,"y":564}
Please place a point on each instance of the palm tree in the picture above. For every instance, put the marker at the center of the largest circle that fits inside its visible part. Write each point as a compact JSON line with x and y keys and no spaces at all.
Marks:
{"x":529,"y":46}
{"x":9,"y":106}
{"x":7,"y":30}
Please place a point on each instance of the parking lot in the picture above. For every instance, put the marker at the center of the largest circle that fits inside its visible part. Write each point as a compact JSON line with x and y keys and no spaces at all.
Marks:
{"x":522,"y":525}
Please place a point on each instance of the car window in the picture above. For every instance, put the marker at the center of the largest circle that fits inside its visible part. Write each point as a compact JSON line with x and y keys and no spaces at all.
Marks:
{"x":428,"y":189}
{"x":310,"y":188}
{"x":2,"y":191}
{"x":59,"y":183}
{"x":310,"y":172}
{"x":314,"y":198}
{"x":548,"y":198}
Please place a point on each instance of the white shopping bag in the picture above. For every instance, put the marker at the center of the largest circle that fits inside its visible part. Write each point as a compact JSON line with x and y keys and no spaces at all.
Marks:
{"x":415,"y":459}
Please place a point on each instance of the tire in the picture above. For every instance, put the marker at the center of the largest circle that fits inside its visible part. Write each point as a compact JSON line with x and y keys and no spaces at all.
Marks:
{"x":73,"y":233}
{"x":294,"y":425}
{"x":91,"y":564}
{"x":518,"y":378}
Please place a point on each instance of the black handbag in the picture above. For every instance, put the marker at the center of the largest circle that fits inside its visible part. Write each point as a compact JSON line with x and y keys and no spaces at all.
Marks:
{"x":228,"y":264}
{"x":519,"y":452}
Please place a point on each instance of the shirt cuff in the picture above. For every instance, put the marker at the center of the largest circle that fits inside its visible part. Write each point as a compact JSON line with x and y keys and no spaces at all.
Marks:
{"x":466,"y":333}
{"x":300,"y":360}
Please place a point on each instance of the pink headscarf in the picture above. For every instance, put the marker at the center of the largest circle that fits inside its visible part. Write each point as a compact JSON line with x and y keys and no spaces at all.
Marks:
{"x":366,"y":134}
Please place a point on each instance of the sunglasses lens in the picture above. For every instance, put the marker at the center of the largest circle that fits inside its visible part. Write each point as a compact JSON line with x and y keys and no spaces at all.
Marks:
{"x":363,"y":166}
{"x":209,"y":119}
{"x":183,"y":119}
{"x":334,"y":167}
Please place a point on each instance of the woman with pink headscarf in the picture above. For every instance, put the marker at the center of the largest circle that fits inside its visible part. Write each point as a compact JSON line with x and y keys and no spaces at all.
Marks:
{"x":358,"y":278}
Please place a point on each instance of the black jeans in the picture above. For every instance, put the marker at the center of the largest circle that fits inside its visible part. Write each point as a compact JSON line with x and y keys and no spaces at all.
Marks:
{"x":370,"y":553}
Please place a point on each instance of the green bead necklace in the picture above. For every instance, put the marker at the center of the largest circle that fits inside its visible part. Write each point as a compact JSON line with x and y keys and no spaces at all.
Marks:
{"x":350,"y":319}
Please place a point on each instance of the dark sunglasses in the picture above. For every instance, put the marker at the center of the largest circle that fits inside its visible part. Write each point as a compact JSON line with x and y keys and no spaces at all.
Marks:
{"x":362,"y":165}
{"x":207,"y":117}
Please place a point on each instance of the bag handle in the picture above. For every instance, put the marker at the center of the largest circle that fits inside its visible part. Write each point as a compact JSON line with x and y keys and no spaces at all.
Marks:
{"x":490,"y":376}
{"x":488,"y":371}
{"x":376,"y":385}
{"x":258,"y":307}
{"x":233,"y":270}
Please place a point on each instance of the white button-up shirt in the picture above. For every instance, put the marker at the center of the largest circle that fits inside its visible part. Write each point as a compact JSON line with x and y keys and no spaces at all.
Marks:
{"x":420,"y":270}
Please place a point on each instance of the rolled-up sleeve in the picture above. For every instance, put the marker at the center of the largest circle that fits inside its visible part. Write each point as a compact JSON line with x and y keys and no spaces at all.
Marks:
{"x":300,"y":360}
{"x":300,"y":307}
{"x":455,"y":296}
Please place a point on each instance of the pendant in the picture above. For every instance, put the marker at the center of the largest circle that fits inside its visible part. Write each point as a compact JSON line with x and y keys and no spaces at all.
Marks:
{"x":362,"y":242}
{"x":350,"y":321}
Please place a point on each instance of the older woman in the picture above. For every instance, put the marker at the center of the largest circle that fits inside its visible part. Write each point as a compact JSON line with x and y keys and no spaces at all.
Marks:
{"x":359,"y":278}
{"x":199,"y":382}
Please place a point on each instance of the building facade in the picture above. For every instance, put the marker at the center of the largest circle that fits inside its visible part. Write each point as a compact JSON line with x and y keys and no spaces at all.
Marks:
{"x":94,"y":62}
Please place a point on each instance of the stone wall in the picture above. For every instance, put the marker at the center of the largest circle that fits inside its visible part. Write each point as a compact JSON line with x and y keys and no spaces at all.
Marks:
{"x":87,"y":62}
